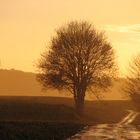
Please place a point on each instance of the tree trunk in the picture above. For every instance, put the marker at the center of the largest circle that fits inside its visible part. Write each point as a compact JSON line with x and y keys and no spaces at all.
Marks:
{"x":79,"y":104}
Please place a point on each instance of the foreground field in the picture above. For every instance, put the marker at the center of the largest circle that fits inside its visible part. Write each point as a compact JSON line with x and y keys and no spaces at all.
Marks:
{"x":41,"y":118}
{"x":37,"y":130}
{"x":60,"y":109}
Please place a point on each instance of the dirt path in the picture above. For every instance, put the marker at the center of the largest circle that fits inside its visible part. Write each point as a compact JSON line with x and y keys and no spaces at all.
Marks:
{"x":119,"y":131}
{"x":129,"y":118}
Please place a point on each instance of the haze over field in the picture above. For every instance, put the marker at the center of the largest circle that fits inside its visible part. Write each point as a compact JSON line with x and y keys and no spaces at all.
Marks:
{"x":19,"y":83}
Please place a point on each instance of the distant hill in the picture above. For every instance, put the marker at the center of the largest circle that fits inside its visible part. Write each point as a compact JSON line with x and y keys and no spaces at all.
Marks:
{"x":19,"y":83}
{"x":13,"y":82}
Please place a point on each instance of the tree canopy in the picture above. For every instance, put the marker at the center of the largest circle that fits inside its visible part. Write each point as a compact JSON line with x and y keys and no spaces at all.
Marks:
{"x":79,"y":59}
{"x":132,"y":87}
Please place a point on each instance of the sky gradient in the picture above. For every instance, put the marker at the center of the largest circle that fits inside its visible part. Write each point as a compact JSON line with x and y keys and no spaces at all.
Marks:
{"x":26,"y":27}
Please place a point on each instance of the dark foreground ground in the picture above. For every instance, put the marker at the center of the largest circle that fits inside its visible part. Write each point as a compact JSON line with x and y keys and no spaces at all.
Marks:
{"x":37,"y":130}
{"x":46,"y":118}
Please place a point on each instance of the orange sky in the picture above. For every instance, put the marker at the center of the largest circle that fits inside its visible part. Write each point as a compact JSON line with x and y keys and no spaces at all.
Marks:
{"x":26,"y":27}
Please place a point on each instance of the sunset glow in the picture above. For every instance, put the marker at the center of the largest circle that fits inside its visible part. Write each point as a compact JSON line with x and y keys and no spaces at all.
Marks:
{"x":26,"y":27}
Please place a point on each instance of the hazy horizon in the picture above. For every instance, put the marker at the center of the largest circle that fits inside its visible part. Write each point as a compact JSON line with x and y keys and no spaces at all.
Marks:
{"x":19,"y":83}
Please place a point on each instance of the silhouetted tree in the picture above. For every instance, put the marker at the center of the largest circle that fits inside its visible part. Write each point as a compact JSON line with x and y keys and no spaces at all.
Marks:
{"x":132,"y":87}
{"x":79,"y":58}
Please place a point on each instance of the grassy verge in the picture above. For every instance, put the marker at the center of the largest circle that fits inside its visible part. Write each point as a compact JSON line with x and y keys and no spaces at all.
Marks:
{"x":37,"y":130}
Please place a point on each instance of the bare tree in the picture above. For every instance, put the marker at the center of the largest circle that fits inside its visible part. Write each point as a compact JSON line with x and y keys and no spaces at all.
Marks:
{"x":132,"y":87}
{"x":79,"y":59}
